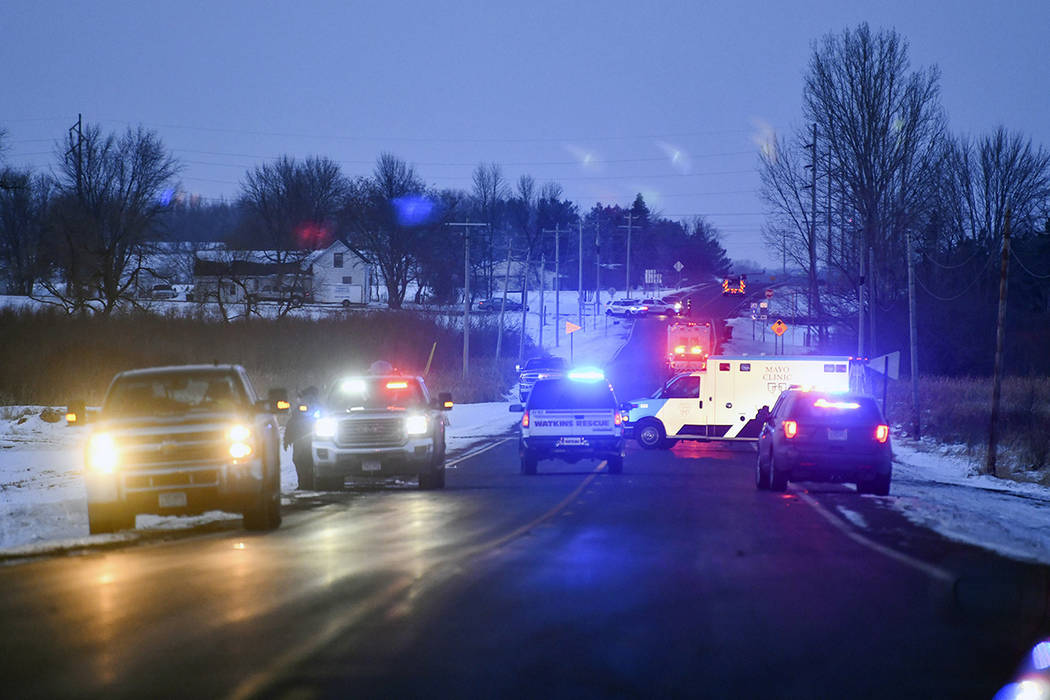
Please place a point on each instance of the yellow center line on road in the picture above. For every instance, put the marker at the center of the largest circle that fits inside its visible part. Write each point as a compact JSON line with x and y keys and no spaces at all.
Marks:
{"x":342,"y":621}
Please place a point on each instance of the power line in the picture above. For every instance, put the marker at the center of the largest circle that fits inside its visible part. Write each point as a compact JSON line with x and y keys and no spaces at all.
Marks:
{"x":1013,"y":252}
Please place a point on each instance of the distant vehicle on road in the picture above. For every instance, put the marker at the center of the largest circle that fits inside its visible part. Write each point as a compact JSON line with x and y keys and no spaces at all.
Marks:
{"x":623,"y":307}
{"x":689,"y":343}
{"x":380,"y":425}
{"x":734,"y":285}
{"x":824,"y":436}
{"x":183,"y":440}
{"x":493,"y":305}
{"x":660,"y":307}
{"x":538,"y":368}
{"x":163,"y":292}
{"x":571,"y":418}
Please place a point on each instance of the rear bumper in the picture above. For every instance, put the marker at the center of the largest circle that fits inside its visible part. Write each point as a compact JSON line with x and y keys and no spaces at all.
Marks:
{"x":230,"y":486}
{"x":601,"y":446}
{"x":829,"y":465}
{"x":410,"y":459}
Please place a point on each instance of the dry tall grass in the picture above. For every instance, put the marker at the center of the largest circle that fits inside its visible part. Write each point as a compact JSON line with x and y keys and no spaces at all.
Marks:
{"x":957,"y":410}
{"x":50,"y":357}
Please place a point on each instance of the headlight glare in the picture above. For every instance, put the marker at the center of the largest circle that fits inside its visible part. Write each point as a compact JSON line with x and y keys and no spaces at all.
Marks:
{"x":325,"y":428}
{"x":416,"y":425}
{"x":102,"y":453}
{"x":239,"y":433}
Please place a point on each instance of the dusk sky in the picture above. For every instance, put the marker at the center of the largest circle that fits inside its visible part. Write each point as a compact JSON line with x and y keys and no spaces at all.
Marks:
{"x":597,"y":96}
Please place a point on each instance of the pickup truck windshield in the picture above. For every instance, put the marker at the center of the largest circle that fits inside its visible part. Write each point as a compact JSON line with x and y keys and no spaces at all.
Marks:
{"x":566,"y":393}
{"x":174,"y":392}
{"x":376,"y":393}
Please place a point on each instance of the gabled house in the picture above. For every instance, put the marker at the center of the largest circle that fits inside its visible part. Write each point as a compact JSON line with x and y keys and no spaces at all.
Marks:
{"x":340,"y":275}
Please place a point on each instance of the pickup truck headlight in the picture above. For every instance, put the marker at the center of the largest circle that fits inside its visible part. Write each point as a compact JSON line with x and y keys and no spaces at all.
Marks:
{"x":102,"y":453}
{"x":416,"y":425}
{"x":325,"y":428}
{"x":239,"y":437}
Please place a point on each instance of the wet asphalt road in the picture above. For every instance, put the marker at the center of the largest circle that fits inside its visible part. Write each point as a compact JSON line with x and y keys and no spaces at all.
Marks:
{"x":676,"y":578}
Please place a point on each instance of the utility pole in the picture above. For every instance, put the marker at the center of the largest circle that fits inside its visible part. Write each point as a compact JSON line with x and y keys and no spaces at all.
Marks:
{"x":503,"y":303}
{"x":543,"y":289}
{"x":557,"y":280}
{"x":466,"y":291}
{"x":579,"y":278}
{"x":812,"y":301}
{"x":913,"y":335}
{"x":627,"y":283}
{"x":77,"y":151}
{"x":597,"y":274}
{"x":1000,"y":333}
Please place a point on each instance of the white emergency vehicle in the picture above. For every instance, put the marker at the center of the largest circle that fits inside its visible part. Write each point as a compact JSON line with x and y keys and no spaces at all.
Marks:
{"x":722,"y":402}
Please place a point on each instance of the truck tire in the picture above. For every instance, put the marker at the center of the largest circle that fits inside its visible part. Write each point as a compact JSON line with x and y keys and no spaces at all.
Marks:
{"x":778,"y":480}
{"x":761,"y":474}
{"x":265,"y":513}
{"x":616,"y":464}
{"x":328,"y":483}
{"x":650,"y":433}
{"x":435,"y":477}
{"x":109,"y":517}
{"x":528,"y":462}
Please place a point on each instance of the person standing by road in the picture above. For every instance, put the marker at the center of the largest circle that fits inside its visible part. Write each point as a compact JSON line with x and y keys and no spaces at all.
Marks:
{"x":298,"y":432}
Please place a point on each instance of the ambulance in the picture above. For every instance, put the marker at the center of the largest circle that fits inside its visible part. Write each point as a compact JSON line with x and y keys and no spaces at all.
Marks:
{"x":723,"y":401}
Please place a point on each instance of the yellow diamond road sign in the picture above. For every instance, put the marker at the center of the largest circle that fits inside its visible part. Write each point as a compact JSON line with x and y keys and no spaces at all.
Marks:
{"x":779,"y":327}
{"x":571,"y":327}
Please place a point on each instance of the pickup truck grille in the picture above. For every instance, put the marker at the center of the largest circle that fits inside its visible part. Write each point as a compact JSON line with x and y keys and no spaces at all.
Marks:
{"x":371,"y":432}
{"x":179,"y":448}
{"x":183,"y":479}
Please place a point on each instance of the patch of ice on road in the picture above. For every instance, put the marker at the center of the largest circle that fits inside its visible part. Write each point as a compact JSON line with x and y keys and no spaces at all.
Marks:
{"x":853,"y":516}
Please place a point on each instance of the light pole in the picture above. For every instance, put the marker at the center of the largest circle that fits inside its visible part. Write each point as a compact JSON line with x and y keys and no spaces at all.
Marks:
{"x":466,"y":291}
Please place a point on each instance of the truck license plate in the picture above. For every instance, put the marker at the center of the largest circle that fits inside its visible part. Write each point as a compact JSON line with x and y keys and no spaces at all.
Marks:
{"x":836,"y":434}
{"x":172,"y":500}
{"x":572,"y":442}
{"x":371,"y":465}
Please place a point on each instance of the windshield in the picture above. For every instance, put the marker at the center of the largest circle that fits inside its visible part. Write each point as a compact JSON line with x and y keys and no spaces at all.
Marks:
{"x":841,"y":408}
{"x":565,"y":393}
{"x":358,"y":393}
{"x":173,"y":393}
{"x":545,"y":363}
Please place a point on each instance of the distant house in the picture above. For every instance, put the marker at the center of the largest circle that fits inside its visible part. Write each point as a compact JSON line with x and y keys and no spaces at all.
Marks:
{"x":334,"y":275}
{"x":339,"y":275}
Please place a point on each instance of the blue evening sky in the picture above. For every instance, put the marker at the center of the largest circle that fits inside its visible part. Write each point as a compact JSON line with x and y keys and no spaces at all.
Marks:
{"x":598,"y":96}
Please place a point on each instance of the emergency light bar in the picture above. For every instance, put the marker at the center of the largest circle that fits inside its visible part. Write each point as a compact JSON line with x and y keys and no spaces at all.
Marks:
{"x":586,"y":375}
{"x":844,"y":405}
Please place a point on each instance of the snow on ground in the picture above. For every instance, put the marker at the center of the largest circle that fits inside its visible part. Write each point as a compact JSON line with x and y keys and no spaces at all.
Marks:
{"x":42,"y":502}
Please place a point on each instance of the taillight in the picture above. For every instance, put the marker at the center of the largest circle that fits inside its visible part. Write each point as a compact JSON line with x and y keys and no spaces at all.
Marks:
{"x":882,"y":433}
{"x":525,"y":420}
{"x":790,"y":429}
{"x":617,"y":418}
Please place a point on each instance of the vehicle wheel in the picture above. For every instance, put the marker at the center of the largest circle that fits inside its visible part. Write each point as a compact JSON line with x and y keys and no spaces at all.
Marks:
{"x":761,"y":474}
{"x":435,"y":477}
{"x":879,"y":486}
{"x":616,"y":464}
{"x":778,"y":480}
{"x":528,"y":463}
{"x":265,"y":514}
{"x":650,"y":433}
{"x":108,"y":517}
{"x":328,"y":483}
{"x":346,"y":303}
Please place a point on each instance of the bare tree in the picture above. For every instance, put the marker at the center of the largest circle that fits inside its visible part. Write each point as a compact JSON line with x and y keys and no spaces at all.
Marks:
{"x":108,"y":203}
{"x":389,"y":216}
{"x":24,"y":203}
{"x":883,"y":125}
{"x":489,"y":196}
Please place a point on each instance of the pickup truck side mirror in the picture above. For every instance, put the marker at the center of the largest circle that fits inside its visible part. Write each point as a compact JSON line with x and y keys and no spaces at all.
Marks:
{"x":517,"y":408}
{"x":276,"y":401}
{"x":76,"y":413}
{"x":445,"y":401}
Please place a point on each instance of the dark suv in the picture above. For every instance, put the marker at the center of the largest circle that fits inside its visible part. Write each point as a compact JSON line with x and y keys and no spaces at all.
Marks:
{"x":824,"y":436}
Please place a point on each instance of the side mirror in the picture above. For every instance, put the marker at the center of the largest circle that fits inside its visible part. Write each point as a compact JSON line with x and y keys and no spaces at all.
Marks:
{"x":277,"y":400}
{"x":517,"y":408}
{"x":445,"y":401}
{"x":76,"y":413}
{"x":626,"y":406}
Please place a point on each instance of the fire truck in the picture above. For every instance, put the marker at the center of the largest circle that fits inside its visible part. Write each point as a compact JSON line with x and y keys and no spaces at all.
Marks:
{"x":736,"y":285}
{"x":689,"y":344}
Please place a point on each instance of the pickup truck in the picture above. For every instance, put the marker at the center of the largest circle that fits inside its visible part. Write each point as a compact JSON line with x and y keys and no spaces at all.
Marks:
{"x":571,"y":418}
{"x":380,"y":425}
{"x":182,"y":440}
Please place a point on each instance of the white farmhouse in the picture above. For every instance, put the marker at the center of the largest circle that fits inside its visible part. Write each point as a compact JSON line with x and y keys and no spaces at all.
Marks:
{"x":339,"y":275}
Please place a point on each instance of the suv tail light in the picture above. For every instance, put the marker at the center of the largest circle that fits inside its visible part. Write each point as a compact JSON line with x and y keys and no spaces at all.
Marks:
{"x":525,"y":420}
{"x":882,"y":433}
{"x":790,"y":429}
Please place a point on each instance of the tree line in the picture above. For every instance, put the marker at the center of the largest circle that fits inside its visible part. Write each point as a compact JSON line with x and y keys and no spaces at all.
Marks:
{"x":876,"y":166}
{"x":85,"y":232}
